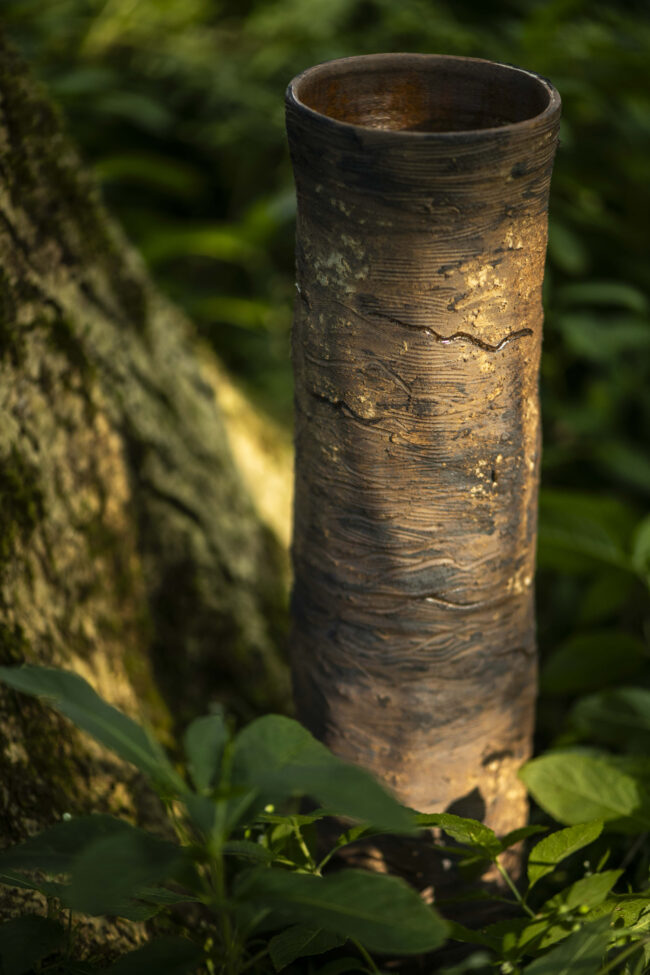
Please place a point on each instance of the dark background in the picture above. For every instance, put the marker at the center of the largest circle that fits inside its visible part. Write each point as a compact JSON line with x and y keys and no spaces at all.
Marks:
{"x":177,"y":105}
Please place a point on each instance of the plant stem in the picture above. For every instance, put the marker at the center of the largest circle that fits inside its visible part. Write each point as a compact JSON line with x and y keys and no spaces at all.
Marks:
{"x":610,"y":965}
{"x":254,"y":959}
{"x":369,"y":960}
{"x":508,"y":879}
{"x":304,"y":849}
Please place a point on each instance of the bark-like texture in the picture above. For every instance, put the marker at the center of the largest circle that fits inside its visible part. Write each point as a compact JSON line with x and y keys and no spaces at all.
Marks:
{"x":422,"y":199}
{"x":129,"y":548}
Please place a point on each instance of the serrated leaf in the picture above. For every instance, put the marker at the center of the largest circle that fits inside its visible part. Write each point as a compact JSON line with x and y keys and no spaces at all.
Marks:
{"x":25,"y":940}
{"x":574,"y":787}
{"x":467,"y":831}
{"x":73,"y":697}
{"x":164,"y":956}
{"x":550,"y":851}
{"x":204,"y":742}
{"x":279,"y":758}
{"x":382,"y":912}
{"x":301,"y":941}
{"x":109,"y":875}
{"x":580,"y":954}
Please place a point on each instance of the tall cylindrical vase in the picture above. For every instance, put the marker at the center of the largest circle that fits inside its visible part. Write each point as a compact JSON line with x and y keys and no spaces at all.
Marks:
{"x":422,"y":186}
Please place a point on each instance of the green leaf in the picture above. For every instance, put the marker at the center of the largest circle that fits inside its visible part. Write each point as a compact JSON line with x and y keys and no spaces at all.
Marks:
{"x":566,"y":249}
{"x":580,"y":954}
{"x":109,"y":875}
{"x":204,"y":741}
{"x":620,"y":717}
{"x":587,"y":892}
{"x":554,"y":848}
{"x":301,"y":941}
{"x":56,"y":849}
{"x":164,"y":956}
{"x":219,"y":242}
{"x":73,"y":697}
{"x":382,"y":912}
{"x":13,"y":878}
{"x":574,"y":787}
{"x":248,"y":850}
{"x":577,"y":529}
{"x":25,"y":940}
{"x":202,"y":810}
{"x":615,"y":294}
{"x":279,"y":758}
{"x":589,"y":661}
{"x":463,"y":830}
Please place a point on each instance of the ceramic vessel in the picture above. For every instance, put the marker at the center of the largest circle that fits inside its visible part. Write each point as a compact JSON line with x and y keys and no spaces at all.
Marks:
{"x":422,"y":185}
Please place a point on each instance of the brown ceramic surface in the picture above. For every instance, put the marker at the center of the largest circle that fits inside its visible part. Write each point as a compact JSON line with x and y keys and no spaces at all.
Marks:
{"x":422,"y":187}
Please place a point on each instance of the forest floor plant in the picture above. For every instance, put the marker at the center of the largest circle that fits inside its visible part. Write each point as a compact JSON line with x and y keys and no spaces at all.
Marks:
{"x":249,"y":862}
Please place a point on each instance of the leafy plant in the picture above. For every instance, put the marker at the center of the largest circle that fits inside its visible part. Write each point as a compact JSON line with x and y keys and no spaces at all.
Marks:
{"x":257,"y":891}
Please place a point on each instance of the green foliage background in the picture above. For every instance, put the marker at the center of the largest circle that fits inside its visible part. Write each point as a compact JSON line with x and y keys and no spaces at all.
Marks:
{"x":178,"y":106}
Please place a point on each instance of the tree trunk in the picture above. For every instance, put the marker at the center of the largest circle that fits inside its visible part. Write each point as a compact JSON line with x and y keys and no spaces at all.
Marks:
{"x":422,"y":187}
{"x":129,"y":547}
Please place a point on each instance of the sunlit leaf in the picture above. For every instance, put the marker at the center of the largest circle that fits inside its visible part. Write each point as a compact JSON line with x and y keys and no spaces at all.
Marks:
{"x":575,"y":788}
{"x":550,"y":851}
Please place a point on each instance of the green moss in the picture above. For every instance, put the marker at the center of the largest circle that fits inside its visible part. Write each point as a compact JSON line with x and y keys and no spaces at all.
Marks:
{"x":21,"y":501}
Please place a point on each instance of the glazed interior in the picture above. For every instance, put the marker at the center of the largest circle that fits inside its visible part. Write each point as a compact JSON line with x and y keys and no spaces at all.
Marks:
{"x":420,"y":93}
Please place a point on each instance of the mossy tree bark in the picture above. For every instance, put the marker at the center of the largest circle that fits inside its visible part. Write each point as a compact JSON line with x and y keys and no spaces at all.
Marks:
{"x":129,"y":548}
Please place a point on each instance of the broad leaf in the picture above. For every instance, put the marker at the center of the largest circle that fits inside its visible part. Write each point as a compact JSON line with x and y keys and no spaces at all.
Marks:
{"x":574,"y":787}
{"x":620,"y":717}
{"x":109,"y":875}
{"x":463,"y":830}
{"x":580,"y":954}
{"x":73,"y":697}
{"x":585,"y":893}
{"x":204,"y":741}
{"x":164,"y":956}
{"x":25,"y":940}
{"x":554,"y":848}
{"x":279,"y":758}
{"x":382,"y":912}
{"x":56,"y":849}
{"x":301,"y":941}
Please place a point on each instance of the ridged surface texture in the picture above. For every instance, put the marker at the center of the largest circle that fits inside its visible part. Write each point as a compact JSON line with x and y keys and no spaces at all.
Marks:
{"x":416,"y":345}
